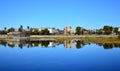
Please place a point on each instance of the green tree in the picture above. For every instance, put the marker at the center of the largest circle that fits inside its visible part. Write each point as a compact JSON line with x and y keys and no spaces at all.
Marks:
{"x":45,"y":43}
{"x":28,"y":27}
{"x":36,"y":32}
{"x":100,"y":31}
{"x":31,"y":31}
{"x":20,"y":28}
{"x":116,"y":30}
{"x":27,"y":33}
{"x":3,"y":32}
{"x":45,"y":31}
{"x":5,"y":28}
{"x":78,"y":30}
{"x":107,"y":30}
{"x":11,"y":29}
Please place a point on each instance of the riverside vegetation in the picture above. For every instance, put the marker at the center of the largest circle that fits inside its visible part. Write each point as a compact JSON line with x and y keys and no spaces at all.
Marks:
{"x":106,"y":30}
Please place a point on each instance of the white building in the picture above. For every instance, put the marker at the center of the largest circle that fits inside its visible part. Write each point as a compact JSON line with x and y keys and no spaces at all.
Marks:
{"x":50,"y":30}
{"x":118,"y":29}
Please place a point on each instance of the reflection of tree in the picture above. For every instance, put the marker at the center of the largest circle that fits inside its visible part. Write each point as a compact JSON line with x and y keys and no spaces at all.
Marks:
{"x":100,"y":44}
{"x":20,"y":45}
{"x":36,"y":43}
{"x":108,"y":46}
{"x":45,"y":43}
{"x":4,"y":43}
{"x":117,"y":45}
{"x":78,"y":45}
{"x":11,"y":45}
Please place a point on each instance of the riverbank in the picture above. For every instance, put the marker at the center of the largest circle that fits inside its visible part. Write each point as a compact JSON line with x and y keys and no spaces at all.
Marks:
{"x":85,"y":38}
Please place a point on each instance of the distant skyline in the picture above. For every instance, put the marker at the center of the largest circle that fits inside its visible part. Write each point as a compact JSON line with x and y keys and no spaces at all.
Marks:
{"x":90,"y":14}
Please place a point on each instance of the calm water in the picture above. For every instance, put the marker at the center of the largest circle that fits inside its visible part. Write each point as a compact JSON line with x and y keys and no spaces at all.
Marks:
{"x":58,"y":56}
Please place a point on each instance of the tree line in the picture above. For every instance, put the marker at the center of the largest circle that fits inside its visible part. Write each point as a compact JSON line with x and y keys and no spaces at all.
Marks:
{"x":106,"y":30}
{"x":29,"y":31}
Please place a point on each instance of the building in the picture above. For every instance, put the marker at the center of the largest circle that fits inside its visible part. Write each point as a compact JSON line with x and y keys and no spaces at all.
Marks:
{"x":68,"y":30}
{"x":15,"y":34}
{"x":85,"y":32}
{"x":118,"y":29}
{"x":51,"y":30}
{"x":60,"y":31}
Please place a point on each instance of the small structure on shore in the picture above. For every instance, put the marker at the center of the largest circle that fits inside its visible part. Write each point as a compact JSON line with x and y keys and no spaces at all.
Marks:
{"x":15,"y":36}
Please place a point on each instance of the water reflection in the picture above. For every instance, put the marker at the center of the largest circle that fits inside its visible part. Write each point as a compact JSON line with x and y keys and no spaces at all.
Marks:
{"x":109,"y":45}
{"x":47,"y":44}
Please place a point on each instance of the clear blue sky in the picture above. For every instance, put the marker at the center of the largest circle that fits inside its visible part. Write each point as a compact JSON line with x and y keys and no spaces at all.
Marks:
{"x":90,"y":14}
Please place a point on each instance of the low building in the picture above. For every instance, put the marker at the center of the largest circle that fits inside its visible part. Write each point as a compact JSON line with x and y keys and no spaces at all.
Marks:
{"x":60,"y":31}
{"x":118,"y":29}
{"x":15,"y":34}
{"x":85,"y":32}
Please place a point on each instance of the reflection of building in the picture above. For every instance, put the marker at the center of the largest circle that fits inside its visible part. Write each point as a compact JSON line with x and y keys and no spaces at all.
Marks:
{"x":68,"y":30}
{"x":16,"y":43}
{"x":47,"y":43}
{"x":52,"y":44}
{"x":69,"y":43}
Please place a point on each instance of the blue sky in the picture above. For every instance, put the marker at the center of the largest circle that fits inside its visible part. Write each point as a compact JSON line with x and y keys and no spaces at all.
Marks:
{"x":90,"y":14}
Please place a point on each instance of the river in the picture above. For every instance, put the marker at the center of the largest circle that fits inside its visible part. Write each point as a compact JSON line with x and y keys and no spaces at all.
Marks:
{"x":59,"y":56}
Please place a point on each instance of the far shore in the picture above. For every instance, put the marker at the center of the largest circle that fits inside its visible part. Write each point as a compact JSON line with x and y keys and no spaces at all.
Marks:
{"x":73,"y":36}
{"x":61,"y":36}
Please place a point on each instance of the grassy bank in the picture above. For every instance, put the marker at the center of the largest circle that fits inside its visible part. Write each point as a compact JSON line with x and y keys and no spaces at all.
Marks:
{"x":2,"y":39}
{"x":86,"y":39}
{"x":101,"y":39}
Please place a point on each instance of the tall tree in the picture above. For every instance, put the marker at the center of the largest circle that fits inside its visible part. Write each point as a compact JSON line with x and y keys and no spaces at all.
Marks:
{"x":28,"y":27}
{"x":78,"y":30}
{"x":20,"y":28}
{"x":5,"y":28}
